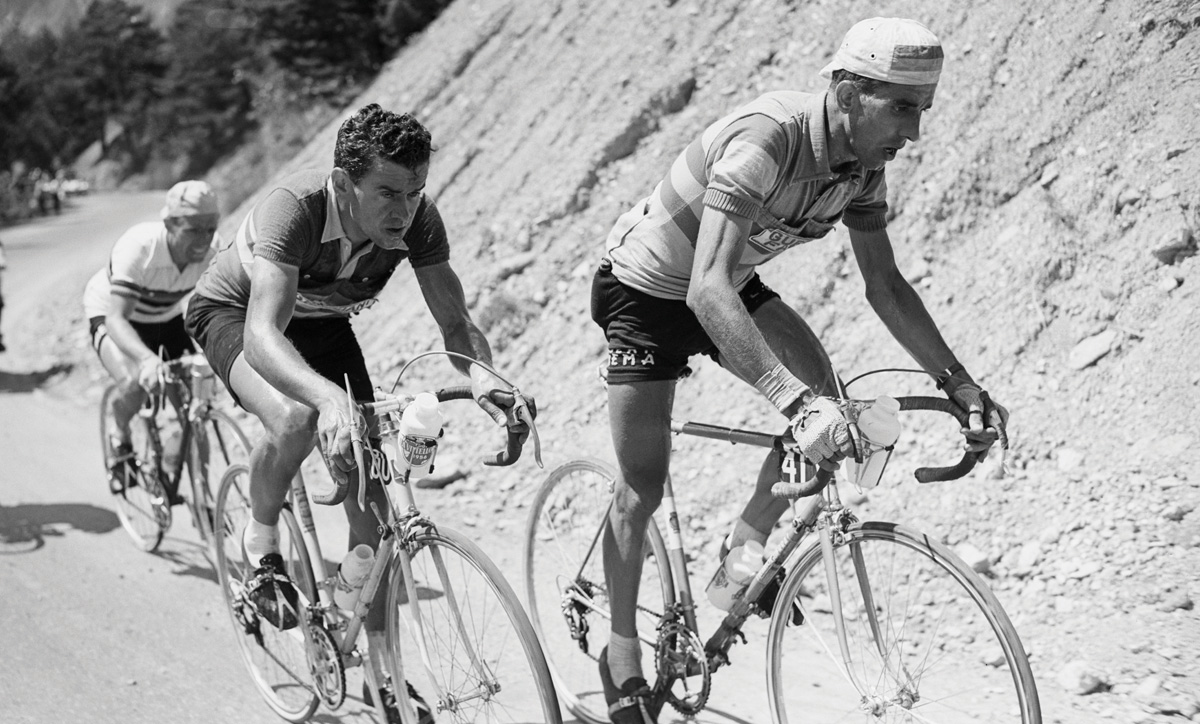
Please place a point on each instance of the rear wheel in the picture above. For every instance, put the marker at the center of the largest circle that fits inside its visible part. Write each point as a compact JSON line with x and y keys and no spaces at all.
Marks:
{"x":565,"y":587}
{"x":141,"y":500}
{"x":479,"y":659}
{"x":927,"y":641}
{"x":276,"y":659}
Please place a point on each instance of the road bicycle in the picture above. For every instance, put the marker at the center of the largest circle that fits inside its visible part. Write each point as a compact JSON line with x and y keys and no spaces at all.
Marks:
{"x":872,"y":621}
{"x":179,"y":427}
{"x":478,"y":658}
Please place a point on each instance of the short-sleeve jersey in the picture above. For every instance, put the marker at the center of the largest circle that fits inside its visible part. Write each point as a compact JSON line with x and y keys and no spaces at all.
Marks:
{"x":768,"y":161}
{"x":298,"y":224}
{"x":140,"y":267}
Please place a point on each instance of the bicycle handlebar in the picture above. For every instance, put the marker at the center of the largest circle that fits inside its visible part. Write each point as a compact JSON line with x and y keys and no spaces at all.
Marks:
{"x":520,"y":426}
{"x":791,"y":491}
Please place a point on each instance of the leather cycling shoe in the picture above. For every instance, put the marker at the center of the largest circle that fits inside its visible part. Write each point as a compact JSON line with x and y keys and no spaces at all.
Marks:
{"x":388,"y":697}
{"x":273,"y":594}
{"x":120,"y":473}
{"x":633,"y":702}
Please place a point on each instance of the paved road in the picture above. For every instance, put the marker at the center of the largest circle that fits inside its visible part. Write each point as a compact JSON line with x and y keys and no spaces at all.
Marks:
{"x":91,"y":629}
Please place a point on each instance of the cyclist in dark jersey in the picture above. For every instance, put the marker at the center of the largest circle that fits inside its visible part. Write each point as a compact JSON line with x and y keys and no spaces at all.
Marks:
{"x":273,"y":316}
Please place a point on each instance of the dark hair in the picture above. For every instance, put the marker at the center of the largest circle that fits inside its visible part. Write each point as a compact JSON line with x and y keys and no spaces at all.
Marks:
{"x":375,"y":133}
{"x":865,"y":85}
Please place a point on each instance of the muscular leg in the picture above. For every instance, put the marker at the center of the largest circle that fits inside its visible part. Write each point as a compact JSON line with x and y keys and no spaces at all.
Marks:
{"x":801,"y":352}
{"x":639,"y":417}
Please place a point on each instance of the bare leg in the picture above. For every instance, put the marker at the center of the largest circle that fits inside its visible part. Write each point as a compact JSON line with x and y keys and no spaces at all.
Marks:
{"x":799,"y":349}
{"x":639,"y":417}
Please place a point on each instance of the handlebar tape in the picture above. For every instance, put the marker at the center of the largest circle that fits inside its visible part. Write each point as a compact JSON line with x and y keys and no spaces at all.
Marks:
{"x":941,"y":404}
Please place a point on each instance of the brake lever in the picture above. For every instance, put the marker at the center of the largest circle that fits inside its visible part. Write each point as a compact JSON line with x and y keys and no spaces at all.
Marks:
{"x":523,"y":416}
{"x":356,"y":430}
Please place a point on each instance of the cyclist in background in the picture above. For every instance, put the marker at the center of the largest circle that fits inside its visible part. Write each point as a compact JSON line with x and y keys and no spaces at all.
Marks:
{"x":679,"y":278}
{"x":273,"y":316}
{"x":134,"y":305}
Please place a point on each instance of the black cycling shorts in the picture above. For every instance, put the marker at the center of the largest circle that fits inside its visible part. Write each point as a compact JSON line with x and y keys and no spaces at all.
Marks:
{"x":651,"y":338}
{"x":168,"y":338}
{"x":327,"y":344}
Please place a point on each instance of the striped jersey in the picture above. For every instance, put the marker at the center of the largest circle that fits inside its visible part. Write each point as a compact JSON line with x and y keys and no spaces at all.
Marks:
{"x":768,"y":161}
{"x":140,"y":267}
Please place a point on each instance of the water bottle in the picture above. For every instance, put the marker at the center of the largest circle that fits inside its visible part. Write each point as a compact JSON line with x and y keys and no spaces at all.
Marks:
{"x":880,"y":428}
{"x":735,"y":573}
{"x":351,"y":576}
{"x":420,"y":427}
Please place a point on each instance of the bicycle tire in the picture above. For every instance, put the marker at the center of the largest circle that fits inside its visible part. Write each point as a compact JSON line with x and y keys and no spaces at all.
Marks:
{"x":947,"y":640}
{"x":566,"y":517}
{"x":276,"y":660}
{"x":226,"y":445}
{"x":480,"y":658}
{"x":142,"y":507}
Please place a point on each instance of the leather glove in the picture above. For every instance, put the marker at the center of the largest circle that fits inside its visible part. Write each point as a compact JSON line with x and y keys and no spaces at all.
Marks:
{"x":988,"y":420}
{"x":822,"y":433}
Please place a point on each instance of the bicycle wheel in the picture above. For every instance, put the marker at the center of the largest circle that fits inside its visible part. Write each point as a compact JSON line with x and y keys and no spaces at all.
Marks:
{"x":142,"y":506}
{"x":276,"y":659}
{"x":479,"y":659}
{"x":217,"y":444}
{"x":565,"y":588}
{"x":944,"y":650}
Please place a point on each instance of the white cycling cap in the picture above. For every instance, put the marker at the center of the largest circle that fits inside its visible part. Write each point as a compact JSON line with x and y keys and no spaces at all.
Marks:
{"x":893,"y":50}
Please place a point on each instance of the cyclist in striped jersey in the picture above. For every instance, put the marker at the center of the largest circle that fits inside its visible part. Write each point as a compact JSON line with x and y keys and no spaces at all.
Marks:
{"x":135,"y":304}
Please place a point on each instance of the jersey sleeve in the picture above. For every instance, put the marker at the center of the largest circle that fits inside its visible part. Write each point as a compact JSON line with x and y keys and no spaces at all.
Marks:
{"x":743,"y":165}
{"x":426,"y":240}
{"x":282,"y":228}
{"x":127,"y":263}
{"x":868,"y":210}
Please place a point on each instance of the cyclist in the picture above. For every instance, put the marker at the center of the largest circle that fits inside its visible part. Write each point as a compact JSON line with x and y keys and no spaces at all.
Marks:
{"x":273,"y":316}
{"x":135,"y":304}
{"x":679,"y":278}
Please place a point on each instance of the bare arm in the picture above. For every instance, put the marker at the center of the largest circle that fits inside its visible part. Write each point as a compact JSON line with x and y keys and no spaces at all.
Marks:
{"x":444,"y":296}
{"x":716,"y":303}
{"x":272,"y":302}
{"x":122,"y":333}
{"x":897,"y":303}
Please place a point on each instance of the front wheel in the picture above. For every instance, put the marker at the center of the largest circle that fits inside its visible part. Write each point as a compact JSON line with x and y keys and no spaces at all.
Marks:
{"x":276,"y":660}
{"x":926,"y":640}
{"x":141,"y":503}
{"x":457,"y":633}
{"x":217,"y":445}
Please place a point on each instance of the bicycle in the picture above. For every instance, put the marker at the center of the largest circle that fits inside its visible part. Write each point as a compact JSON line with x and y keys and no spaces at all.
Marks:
{"x":209,"y":442}
{"x":479,"y":659}
{"x":889,"y":623}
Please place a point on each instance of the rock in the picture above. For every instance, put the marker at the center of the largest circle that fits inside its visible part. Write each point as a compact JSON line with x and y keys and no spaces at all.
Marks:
{"x":1164,"y":190}
{"x":1176,"y":511}
{"x":1174,"y":151}
{"x":1049,"y":174}
{"x":1069,"y":459}
{"x":973,"y":557}
{"x":515,"y":265}
{"x":1148,"y":689}
{"x":1167,"y":284}
{"x":1176,"y":247}
{"x":1078,"y":677}
{"x":1027,"y":558}
{"x":1149,"y":22}
{"x":1126,"y":197}
{"x":1090,"y":350}
{"x":1176,"y":601}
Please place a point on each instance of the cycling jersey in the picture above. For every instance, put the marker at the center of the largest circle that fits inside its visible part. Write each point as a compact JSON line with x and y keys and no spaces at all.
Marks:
{"x":767,"y":162}
{"x":140,"y":267}
{"x":298,"y":224}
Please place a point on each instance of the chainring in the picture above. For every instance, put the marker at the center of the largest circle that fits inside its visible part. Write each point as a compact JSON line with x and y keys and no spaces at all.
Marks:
{"x":326,"y":665}
{"x":679,"y":659}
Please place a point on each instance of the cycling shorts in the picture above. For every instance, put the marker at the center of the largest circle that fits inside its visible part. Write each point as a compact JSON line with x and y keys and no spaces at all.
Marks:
{"x":168,"y":338}
{"x":327,"y":344}
{"x":651,"y":338}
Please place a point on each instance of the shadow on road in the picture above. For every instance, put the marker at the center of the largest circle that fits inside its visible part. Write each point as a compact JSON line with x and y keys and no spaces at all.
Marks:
{"x":23,"y":528}
{"x":30,"y":381}
{"x":193,"y":560}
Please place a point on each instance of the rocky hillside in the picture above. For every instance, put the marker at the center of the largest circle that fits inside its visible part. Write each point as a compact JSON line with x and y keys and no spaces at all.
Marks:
{"x":1047,"y":216}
